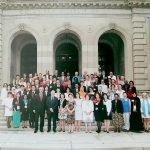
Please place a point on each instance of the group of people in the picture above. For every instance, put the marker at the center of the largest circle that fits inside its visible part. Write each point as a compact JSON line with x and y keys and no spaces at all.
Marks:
{"x":73,"y":100}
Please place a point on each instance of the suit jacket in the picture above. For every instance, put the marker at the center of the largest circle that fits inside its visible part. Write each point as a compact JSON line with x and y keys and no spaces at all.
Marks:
{"x":56,"y":76}
{"x":101,"y":95}
{"x":125,"y":87}
{"x":46,"y":76}
{"x":28,"y":80}
{"x":47,"y":94}
{"x":96,"y":84}
{"x":63,"y":104}
{"x":104,"y":78}
{"x":39,"y":106}
{"x":52,"y":104}
{"x":61,"y":79}
{"x":24,"y":93}
{"x":119,"y":107}
{"x":74,"y":92}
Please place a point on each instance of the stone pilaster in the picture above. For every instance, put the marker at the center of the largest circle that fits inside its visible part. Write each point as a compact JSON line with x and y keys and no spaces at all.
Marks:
{"x":139,"y":52}
{"x":1,"y":49}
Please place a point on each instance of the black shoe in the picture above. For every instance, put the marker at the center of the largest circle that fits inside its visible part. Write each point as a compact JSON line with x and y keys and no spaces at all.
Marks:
{"x":98,"y":131}
{"x":48,"y":130}
{"x":35,"y":131}
{"x":105,"y":131}
{"x":54,"y":131}
{"x":41,"y":130}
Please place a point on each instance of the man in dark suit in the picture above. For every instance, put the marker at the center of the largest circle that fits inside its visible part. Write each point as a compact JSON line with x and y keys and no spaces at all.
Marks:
{"x":61,"y":78}
{"x":96,"y":84}
{"x":22,"y":92}
{"x":56,"y":74}
{"x":125,"y":86}
{"x":39,"y":109}
{"x":76,"y":90}
{"x":52,"y":104}
{"x":47,"y":74}
{"x":103,"y":77}
{"x":100,"y":92}
{"x":58,"y":85}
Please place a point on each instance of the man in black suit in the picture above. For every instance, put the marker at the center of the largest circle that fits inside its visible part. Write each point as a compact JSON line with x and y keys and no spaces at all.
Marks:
{"x":22,"y":92}
{"x":103,"y":77}
{"x":100,"y":89}
{"x":76,"y":90}
{"x":52,"y":104}
{"x":47,"y":74}
{"x":96,"y":84}
{"x":39,"y":109}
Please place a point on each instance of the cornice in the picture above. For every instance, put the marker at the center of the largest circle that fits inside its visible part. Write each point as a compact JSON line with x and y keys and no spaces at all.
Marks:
{"x":73,"y":4}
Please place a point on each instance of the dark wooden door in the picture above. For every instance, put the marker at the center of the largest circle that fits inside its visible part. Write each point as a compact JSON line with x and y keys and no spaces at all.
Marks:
{"x":29,"y":59}
{"x":67,"y":58}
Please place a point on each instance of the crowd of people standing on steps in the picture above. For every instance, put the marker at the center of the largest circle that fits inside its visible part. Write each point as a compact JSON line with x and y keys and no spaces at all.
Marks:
{"x":73,"y":100}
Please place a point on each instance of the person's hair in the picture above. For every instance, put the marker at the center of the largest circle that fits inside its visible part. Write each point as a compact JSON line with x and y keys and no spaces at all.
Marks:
{"x":5,"y":84}
{"x":116,"y":94}
{"x":62,"y":94}
{"x":144,"y":94}
{"x":70,"y":94}
{"x":9,"y":93}
{"x":22,"y":86}
{"x":106,"y":95}
{"x":86,"y":95}
{"x":78,"y":94}
{"x":124,"y":92}
{"x":45,"y":87}
{"x":68,"y":88}
{"x":131,"y":82}
{"x":97,"y":94}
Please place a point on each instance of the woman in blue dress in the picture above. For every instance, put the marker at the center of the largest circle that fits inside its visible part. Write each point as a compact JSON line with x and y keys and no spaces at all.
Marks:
{"x":145,"y":110}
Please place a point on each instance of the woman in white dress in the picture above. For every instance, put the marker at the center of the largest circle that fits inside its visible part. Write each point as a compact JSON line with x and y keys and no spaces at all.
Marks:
{"x":8,"y":104}
{"x":4,"y":92}
{"x":87,"y":109}
{"x":78,"y":112}
{"x":145,"y":110}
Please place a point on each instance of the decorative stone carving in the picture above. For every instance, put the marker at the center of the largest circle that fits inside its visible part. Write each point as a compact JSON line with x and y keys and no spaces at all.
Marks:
{"x":89,"y":28}
{"x":67,"y":26}
{"x":21,"y":26}
{"x":112,"y":25}
{"x":44,"y":28}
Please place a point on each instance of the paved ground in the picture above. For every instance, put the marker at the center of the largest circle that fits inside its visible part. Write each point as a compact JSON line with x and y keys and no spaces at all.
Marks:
{"x":27,"y":140}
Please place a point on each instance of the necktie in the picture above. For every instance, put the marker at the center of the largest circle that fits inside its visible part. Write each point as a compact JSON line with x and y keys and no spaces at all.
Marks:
{"x":52,"y":98}
{"x":40,"y":98}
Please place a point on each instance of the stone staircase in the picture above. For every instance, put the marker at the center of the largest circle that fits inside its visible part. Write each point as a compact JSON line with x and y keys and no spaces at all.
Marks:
{"x":3,"y":124}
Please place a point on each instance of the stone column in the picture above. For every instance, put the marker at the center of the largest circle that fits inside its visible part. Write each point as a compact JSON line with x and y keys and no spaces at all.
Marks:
{"x":0,"y":48}
{"x":140,"y":53}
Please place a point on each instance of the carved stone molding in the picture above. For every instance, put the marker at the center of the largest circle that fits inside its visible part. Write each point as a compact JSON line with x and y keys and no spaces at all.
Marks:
{"x":67,"y":26}
{"x":89,"y":28}
{"x":44,"y":29}
{"x":112,"y":25}
{"x":41,"y":4}
{"x":21,"y":26}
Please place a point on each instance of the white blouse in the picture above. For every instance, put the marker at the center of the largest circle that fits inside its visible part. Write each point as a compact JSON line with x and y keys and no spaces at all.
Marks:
{"x":108,"y":105}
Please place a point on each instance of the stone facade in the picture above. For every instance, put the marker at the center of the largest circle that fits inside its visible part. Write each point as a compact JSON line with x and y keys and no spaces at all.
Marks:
{"x":42,"y":22}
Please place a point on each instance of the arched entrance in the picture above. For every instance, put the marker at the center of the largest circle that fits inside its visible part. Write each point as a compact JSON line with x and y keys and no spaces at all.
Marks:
{"x":111,"y":53}
{"x":23,"y":55}
{"x":67,"y":53}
